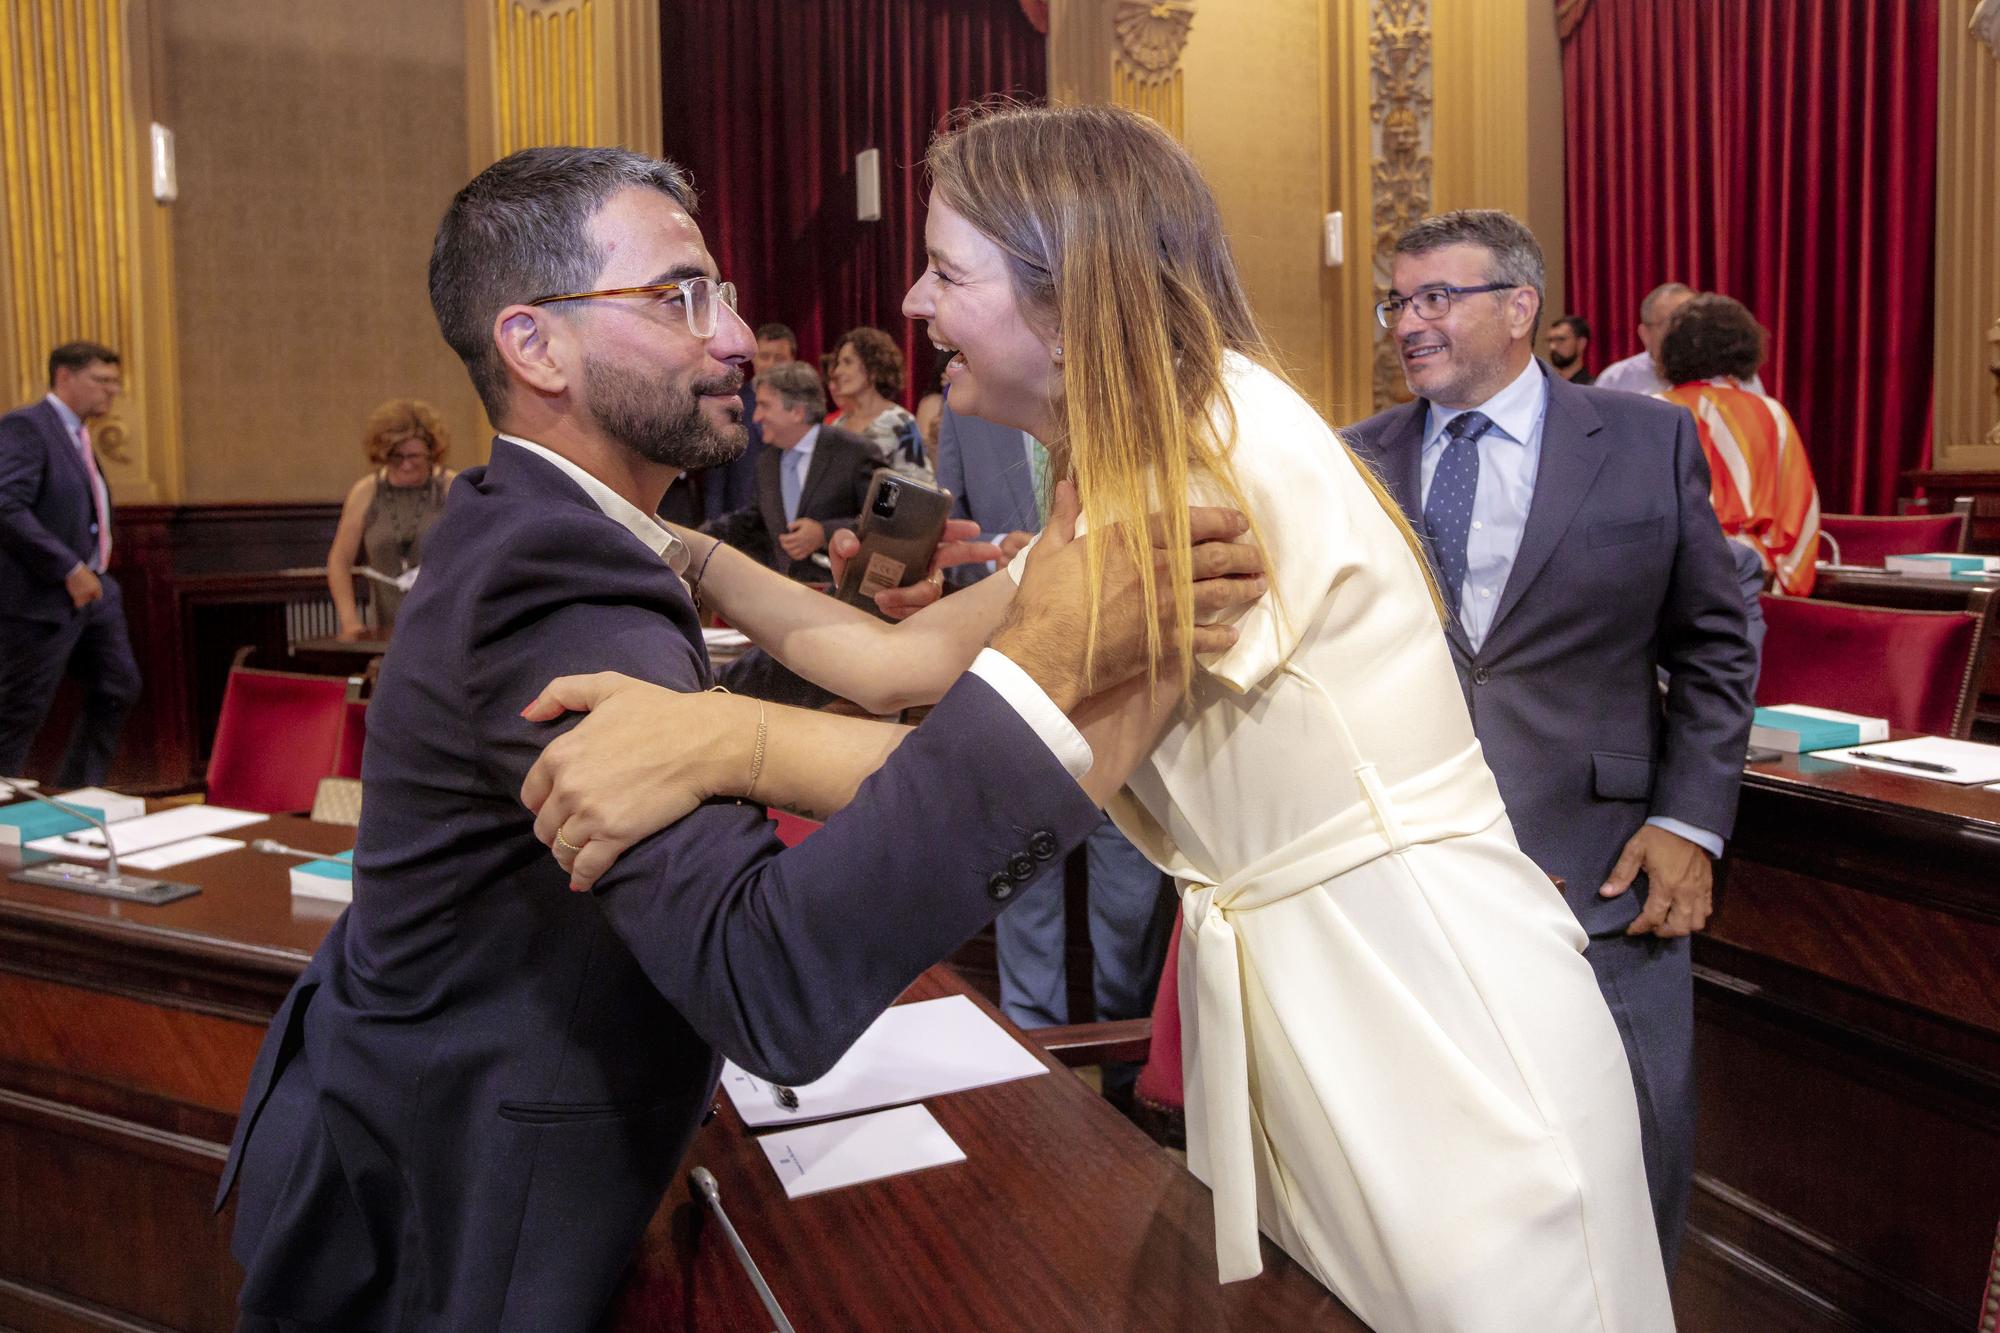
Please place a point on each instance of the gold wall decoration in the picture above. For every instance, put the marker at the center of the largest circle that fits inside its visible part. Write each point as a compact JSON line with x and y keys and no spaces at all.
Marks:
{"x":1966,"y":278}
{"x":1400,"y":109}
{"x":1146,"y":73}
{"x":69,"y":161}
{"x":562,"y":72}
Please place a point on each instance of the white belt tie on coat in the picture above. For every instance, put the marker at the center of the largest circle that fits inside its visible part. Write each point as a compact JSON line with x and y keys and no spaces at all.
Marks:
{"x":1455,"y":799}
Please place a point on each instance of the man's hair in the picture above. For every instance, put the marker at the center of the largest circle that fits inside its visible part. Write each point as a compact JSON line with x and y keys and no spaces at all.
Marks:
{"x":1517,"y":256}
{"x":795,"y":383}
{"x":75,"y":356}
{"x":1576,"y":324}
{"x":772,"y":333}
{"x":1709,"y":336}
{"x":1650,"y":306}
{"x":520,"y":231}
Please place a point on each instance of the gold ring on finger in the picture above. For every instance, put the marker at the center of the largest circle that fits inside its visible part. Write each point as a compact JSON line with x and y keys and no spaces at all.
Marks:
{"x":565,"y":843}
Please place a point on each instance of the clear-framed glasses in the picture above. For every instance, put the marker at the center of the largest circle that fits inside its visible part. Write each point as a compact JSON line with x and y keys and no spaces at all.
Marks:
{"x":1431,"y":302}
{"x":700,"y":299}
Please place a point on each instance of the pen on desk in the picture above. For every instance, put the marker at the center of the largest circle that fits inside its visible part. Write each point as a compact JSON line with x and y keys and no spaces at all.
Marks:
{"x":1921,"y":765}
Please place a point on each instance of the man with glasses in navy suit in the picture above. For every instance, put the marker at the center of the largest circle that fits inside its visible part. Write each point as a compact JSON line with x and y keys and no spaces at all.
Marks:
{"x":1578,"y":557}
{"x":60,"y":613}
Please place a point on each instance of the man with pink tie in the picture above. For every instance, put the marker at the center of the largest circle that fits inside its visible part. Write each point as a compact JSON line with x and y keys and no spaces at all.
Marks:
{"x":59,"y":614}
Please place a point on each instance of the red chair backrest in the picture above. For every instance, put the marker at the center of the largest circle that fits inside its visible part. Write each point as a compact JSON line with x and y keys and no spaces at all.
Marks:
{"x":1907,"y":666}
{"x":353,"y":734}
{"x":1866,"y":540}
{"x":1160,"y":1084}
{"x":278,"y":735}
{"x":792,"y":830}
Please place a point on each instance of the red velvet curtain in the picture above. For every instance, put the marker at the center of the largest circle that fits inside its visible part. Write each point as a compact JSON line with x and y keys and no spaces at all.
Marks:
{"x":768,"y":101}
{"x":1783,"y":152}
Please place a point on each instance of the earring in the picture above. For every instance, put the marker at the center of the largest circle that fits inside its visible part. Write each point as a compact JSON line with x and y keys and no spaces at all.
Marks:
{"x":1058,"y":351}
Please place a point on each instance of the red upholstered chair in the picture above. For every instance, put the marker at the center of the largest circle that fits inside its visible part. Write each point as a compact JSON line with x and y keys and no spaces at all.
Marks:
{"x":353,"y":734}
{"x":792,"y":830}
{"x":1919,"y":669}
{"x":1867,"y":539}
{"x":278,"y":735}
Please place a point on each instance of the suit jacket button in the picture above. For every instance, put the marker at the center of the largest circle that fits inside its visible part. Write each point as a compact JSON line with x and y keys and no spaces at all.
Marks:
{"x":1479,"y":676}
{"x":1000,"y":888}
{"x":1043,"y":845}
{"x":1020,"y":867}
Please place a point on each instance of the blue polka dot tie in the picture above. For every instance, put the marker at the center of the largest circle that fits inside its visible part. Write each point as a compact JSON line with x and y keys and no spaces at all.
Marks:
{"x":1448,"y":509}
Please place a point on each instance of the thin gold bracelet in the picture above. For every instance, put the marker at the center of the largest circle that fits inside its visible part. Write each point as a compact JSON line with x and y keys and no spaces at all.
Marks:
{"x":757,"y":755}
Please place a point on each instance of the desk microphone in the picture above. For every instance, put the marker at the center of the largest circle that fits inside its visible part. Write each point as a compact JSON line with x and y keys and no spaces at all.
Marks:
{"x":104,"y":881}
{"x":705,"y":1188}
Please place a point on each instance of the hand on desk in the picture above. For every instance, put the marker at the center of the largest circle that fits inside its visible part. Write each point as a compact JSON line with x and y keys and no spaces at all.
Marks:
{"x":1680,"y":882}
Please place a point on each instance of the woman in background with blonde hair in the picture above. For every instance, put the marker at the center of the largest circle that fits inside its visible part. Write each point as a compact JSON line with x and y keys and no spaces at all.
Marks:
{"x":387,"y":512}
{"x":1398,"y":1063}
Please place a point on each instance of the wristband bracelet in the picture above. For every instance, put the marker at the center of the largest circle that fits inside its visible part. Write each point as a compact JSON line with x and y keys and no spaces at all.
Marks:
{"x":694,"y":584}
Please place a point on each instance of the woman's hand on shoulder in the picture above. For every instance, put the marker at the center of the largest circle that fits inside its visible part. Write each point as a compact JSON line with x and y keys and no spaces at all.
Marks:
{"x":643,"y":759}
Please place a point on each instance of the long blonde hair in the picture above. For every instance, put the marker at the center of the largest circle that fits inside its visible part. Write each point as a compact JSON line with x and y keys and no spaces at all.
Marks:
{"x":1113,"y":239}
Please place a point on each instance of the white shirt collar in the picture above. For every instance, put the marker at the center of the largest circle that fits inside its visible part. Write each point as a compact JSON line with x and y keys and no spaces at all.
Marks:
{"x":646,"y":527}
{"x":1513,"y":411}
{"x":70,"y":420}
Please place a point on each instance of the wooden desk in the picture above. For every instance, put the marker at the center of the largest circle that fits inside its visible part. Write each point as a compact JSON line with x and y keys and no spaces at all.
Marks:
{"x":334,"y":656}
{"x":1847,"y":1010}
{"x":128,"y":1038}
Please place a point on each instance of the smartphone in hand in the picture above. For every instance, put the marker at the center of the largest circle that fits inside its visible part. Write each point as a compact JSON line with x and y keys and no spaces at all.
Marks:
{"x":901,"y":524}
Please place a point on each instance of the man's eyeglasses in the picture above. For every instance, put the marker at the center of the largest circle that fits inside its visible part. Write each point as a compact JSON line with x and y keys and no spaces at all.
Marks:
{"x":700,"y":299}
{"x":1431,"y":302}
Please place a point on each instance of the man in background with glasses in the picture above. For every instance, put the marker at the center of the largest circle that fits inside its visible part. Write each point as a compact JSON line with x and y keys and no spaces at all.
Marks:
{"x":470,"y":1105}
{"x":1577,"y":555}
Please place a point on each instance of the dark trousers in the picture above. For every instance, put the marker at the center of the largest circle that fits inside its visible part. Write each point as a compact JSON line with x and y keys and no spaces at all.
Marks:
{"x":1649,"y":984}
{"x":92,"y":648}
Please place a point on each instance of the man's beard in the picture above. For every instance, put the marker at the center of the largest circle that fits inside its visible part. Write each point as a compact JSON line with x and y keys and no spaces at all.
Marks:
{"x":1561,"y":362}
{"x":660,"y":423}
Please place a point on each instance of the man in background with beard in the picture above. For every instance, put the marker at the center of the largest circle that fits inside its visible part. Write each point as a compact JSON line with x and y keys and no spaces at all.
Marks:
{"x":470,"y":1105}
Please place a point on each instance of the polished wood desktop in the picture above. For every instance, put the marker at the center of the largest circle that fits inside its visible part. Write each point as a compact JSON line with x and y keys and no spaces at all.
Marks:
{"x":128,"y":1038}
{"x":1848,"y":1052}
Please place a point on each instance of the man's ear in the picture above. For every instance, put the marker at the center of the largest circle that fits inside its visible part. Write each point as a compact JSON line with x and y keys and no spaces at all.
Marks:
{"x":526,"y":338}
{"x":1523,"y":305}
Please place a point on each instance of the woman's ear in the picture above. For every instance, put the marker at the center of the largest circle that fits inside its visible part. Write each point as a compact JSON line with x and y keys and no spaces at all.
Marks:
{"x":526,"y":339}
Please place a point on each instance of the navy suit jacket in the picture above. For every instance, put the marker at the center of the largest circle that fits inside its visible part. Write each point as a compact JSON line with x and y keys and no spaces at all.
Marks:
{"x":985,"y":467}
{"x":48,"y":516}
{"x":470,"y":1105}
{"x":1622,"y":570}
{"x":733,"y":485}
{"x":834,"y":489}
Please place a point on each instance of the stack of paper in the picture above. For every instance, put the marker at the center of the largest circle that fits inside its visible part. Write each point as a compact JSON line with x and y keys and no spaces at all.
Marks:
{"x":330,"y":878}
{"x":1800,"y":728}
{"x":152,"y":831}
{"x":29,"y":821}
{"x":911,"y":1052}
{"x":1948,"y":564}
{"x":1966,"y":763}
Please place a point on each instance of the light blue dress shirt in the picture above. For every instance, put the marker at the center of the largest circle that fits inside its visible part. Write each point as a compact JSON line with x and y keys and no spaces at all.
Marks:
{"x":796,"y":462}
{"x":1510,"y":455}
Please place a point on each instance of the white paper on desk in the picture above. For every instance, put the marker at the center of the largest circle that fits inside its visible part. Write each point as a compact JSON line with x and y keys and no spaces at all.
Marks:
{"x":403,"y":581}
{"x":1971,"y":763}
{"x":142,"y":835}
{"x":911,"y":1052}
{"x":176,"y":853}
{"x":815,"y":1158}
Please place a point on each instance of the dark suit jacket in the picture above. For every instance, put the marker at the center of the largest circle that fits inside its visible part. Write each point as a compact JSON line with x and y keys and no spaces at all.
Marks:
{"x":48,"y":516}
{"x":985,"y":467}
{"x":835,"y":488}
{"x":471,"y":1103}
{"x":1622,"y":570}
